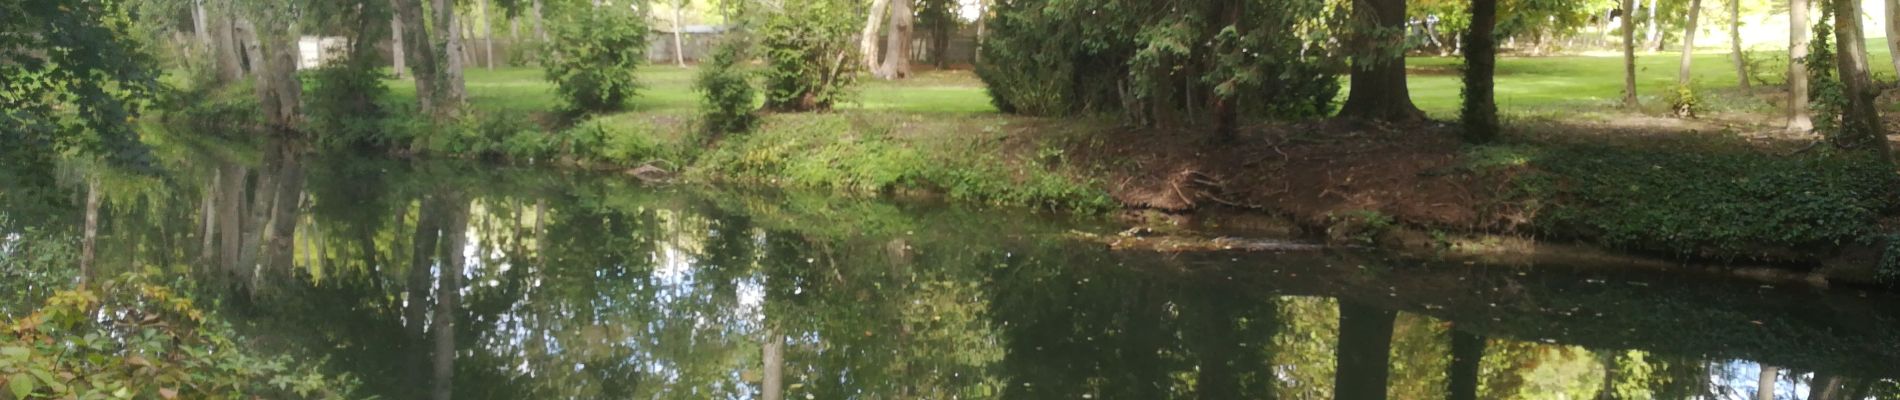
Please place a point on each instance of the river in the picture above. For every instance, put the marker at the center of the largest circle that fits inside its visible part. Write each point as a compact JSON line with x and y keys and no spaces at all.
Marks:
{"x":465,"y":280}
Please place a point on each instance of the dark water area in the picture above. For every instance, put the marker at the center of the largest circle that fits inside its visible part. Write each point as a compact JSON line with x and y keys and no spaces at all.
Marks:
{"x":462,"y":280}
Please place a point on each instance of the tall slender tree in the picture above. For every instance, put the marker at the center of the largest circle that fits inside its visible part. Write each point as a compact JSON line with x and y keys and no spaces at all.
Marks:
{"x":1798,"y":121}
{"x":897,"y":41}
{"x":1379,"y":90}
{"x":867,"y":39}
{"x":1893,"y":32}
{"x":1629,"y":53}
{"x":1735,"y":45}
{"x":1688,"y":43}
{"x":1765,"y":383}
{"x":1860,"y":127}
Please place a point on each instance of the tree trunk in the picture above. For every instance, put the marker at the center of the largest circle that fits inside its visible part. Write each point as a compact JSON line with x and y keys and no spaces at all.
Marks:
{"x":208,"y":249}
{"x":897,"y":41}
{"x":88,"y":244}
{"x":773,"y":384}
{"x":452,"y":92}
{"x":225,"y":46}
{"x":539,"y":32}
{"x":1363,"y":353}
{"x":982,"y":17}
{"x":396,"y":45}
{"x":1467,"y":350}
{"x":1735,"y":45}
{"x":418,"y":45}
{"x":231,"y":218}
{"x":940,"y":42}
{"x":1893,"y":32}
{"x":1798,"y":121}
{"x":679,"y":45}
{"x":1688,"y":43}
{"x":1825,"y":386}
{"x":198,"y":26}
{"x":1655,"y":26}
{"x":1480,"y":112}
{"x":488,"y":35}
{"x":867,"y":39}
{"x":1379,"y":89}
{"x":1765,"y":383}
{"x":1629,"y":54}
{"x":1860,"y":122}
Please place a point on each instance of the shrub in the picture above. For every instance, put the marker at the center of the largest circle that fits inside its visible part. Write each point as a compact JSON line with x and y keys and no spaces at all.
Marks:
{"x":727,"y":97}
{"x":811,"y":62}
{"x":155,"y":343}
{"x":343,"y":107}
{"x":592,"y":56}
{"x":1684,"y":103}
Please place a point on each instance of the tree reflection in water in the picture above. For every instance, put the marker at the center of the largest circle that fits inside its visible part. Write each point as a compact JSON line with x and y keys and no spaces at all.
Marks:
{"x":456,"y":280}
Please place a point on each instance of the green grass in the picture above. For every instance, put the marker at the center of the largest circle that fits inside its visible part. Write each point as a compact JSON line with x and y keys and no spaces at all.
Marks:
{"x":670,"y":89}
{"x":1566,"y":83}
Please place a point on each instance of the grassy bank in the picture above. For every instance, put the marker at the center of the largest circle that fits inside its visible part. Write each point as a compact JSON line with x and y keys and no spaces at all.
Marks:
{"x":1624,"y":179}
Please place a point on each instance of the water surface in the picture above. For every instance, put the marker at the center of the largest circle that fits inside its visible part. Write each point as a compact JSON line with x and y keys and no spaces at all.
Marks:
{"x":452,"y":279}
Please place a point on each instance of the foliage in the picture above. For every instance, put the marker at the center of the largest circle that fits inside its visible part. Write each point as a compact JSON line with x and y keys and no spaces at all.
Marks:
{"x":1684,"y":103}
{"x":859,"y":156}
{"x":1154,"y":61}
{"x":344,"y":105}
{"x":614,"y":144}
{"x":592,"y":55}
{"x":1888,"y":270}
{"x":136,"y":338}
{"x":1709,"y":203}
{"x":73,"y":77}
{"x":1827,"y":95}
{"x":727,"y":97}
{"x":33,"y":264}
{"x":811,"y":61}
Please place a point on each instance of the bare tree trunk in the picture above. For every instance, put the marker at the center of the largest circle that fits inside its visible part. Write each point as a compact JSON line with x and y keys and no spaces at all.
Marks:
{"x":539,"y":32}
{"x":1379,"y":90}
{"x":1655,"y":26}
{"x":448,"y":292}
{"x":679,"y":46}
{"x":210,"y":222}
{"x":452,"y":92}
{"x":396,"y":57}
{"x":867,"y":39}
{"x":198,"y":25}
{"x":420,"y":48}
{"x":231,"y":218}
{"x":225,"y":46}
{"x":1825,"y":386}
{"x":488,"y":34}
{"x":897,"y":41}
{"x":1765,"y":383}
{"x":1629,"y":54}
{"x":88,"y":244}
{"x":982,"y":17}
{"x":1861,"y":127}
{"x":1688,"y":42}
{"x":1798,"y":121}
{"x":1893,"y":32}
{"x":1735,"y":45}
{"x":773,"y":384}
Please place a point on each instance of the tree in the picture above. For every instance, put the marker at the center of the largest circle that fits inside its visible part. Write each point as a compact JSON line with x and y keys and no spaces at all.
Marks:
{"x":897,"y":42}
{"x":808,"y":57}
{"x":73,"y":90}
{"x":1765,"y":383}
{"x":435,"y":55}
{"x":679,"y":43}
{"x":1735,"y":45}
{"x":1629,"y":54}
{"x":1860,"y":126}
{"x":1893,"y":32}
{"x":1467,"y":351}
{"x":1798,"y":121}
{"x":939,"y":17}
{"x":867,"y":39}
{"x":1480,"y":112}
{"x":1688,"y":43}
{"x":1379,"y":90}
{"x":593,"y":56}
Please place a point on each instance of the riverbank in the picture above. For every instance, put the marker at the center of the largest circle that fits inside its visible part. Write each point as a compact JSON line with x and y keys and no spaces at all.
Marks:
{"x":1711,"y":191}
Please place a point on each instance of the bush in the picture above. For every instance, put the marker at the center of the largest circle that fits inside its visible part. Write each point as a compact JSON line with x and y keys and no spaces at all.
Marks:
{"x":592,"y":56}
{"x":811,"y":61}
{"x":1684,"y":103}
{"x":344,"y":107}
{"x":599,"y":142}
{"x":727,"y":97}
{"x":134,"y":338}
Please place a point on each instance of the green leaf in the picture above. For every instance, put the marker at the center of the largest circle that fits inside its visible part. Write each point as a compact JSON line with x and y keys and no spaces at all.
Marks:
{"x":21,"y":385}
{"x":48,"y":378}
{"x":15,"y":352}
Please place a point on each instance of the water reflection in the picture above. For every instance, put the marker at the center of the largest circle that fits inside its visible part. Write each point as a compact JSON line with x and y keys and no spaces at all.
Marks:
{"x":454,"y":280}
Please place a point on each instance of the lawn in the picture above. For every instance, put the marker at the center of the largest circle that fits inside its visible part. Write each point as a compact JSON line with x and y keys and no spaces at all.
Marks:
{"x":1525,"y":85}
{"x":670,"y":89}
